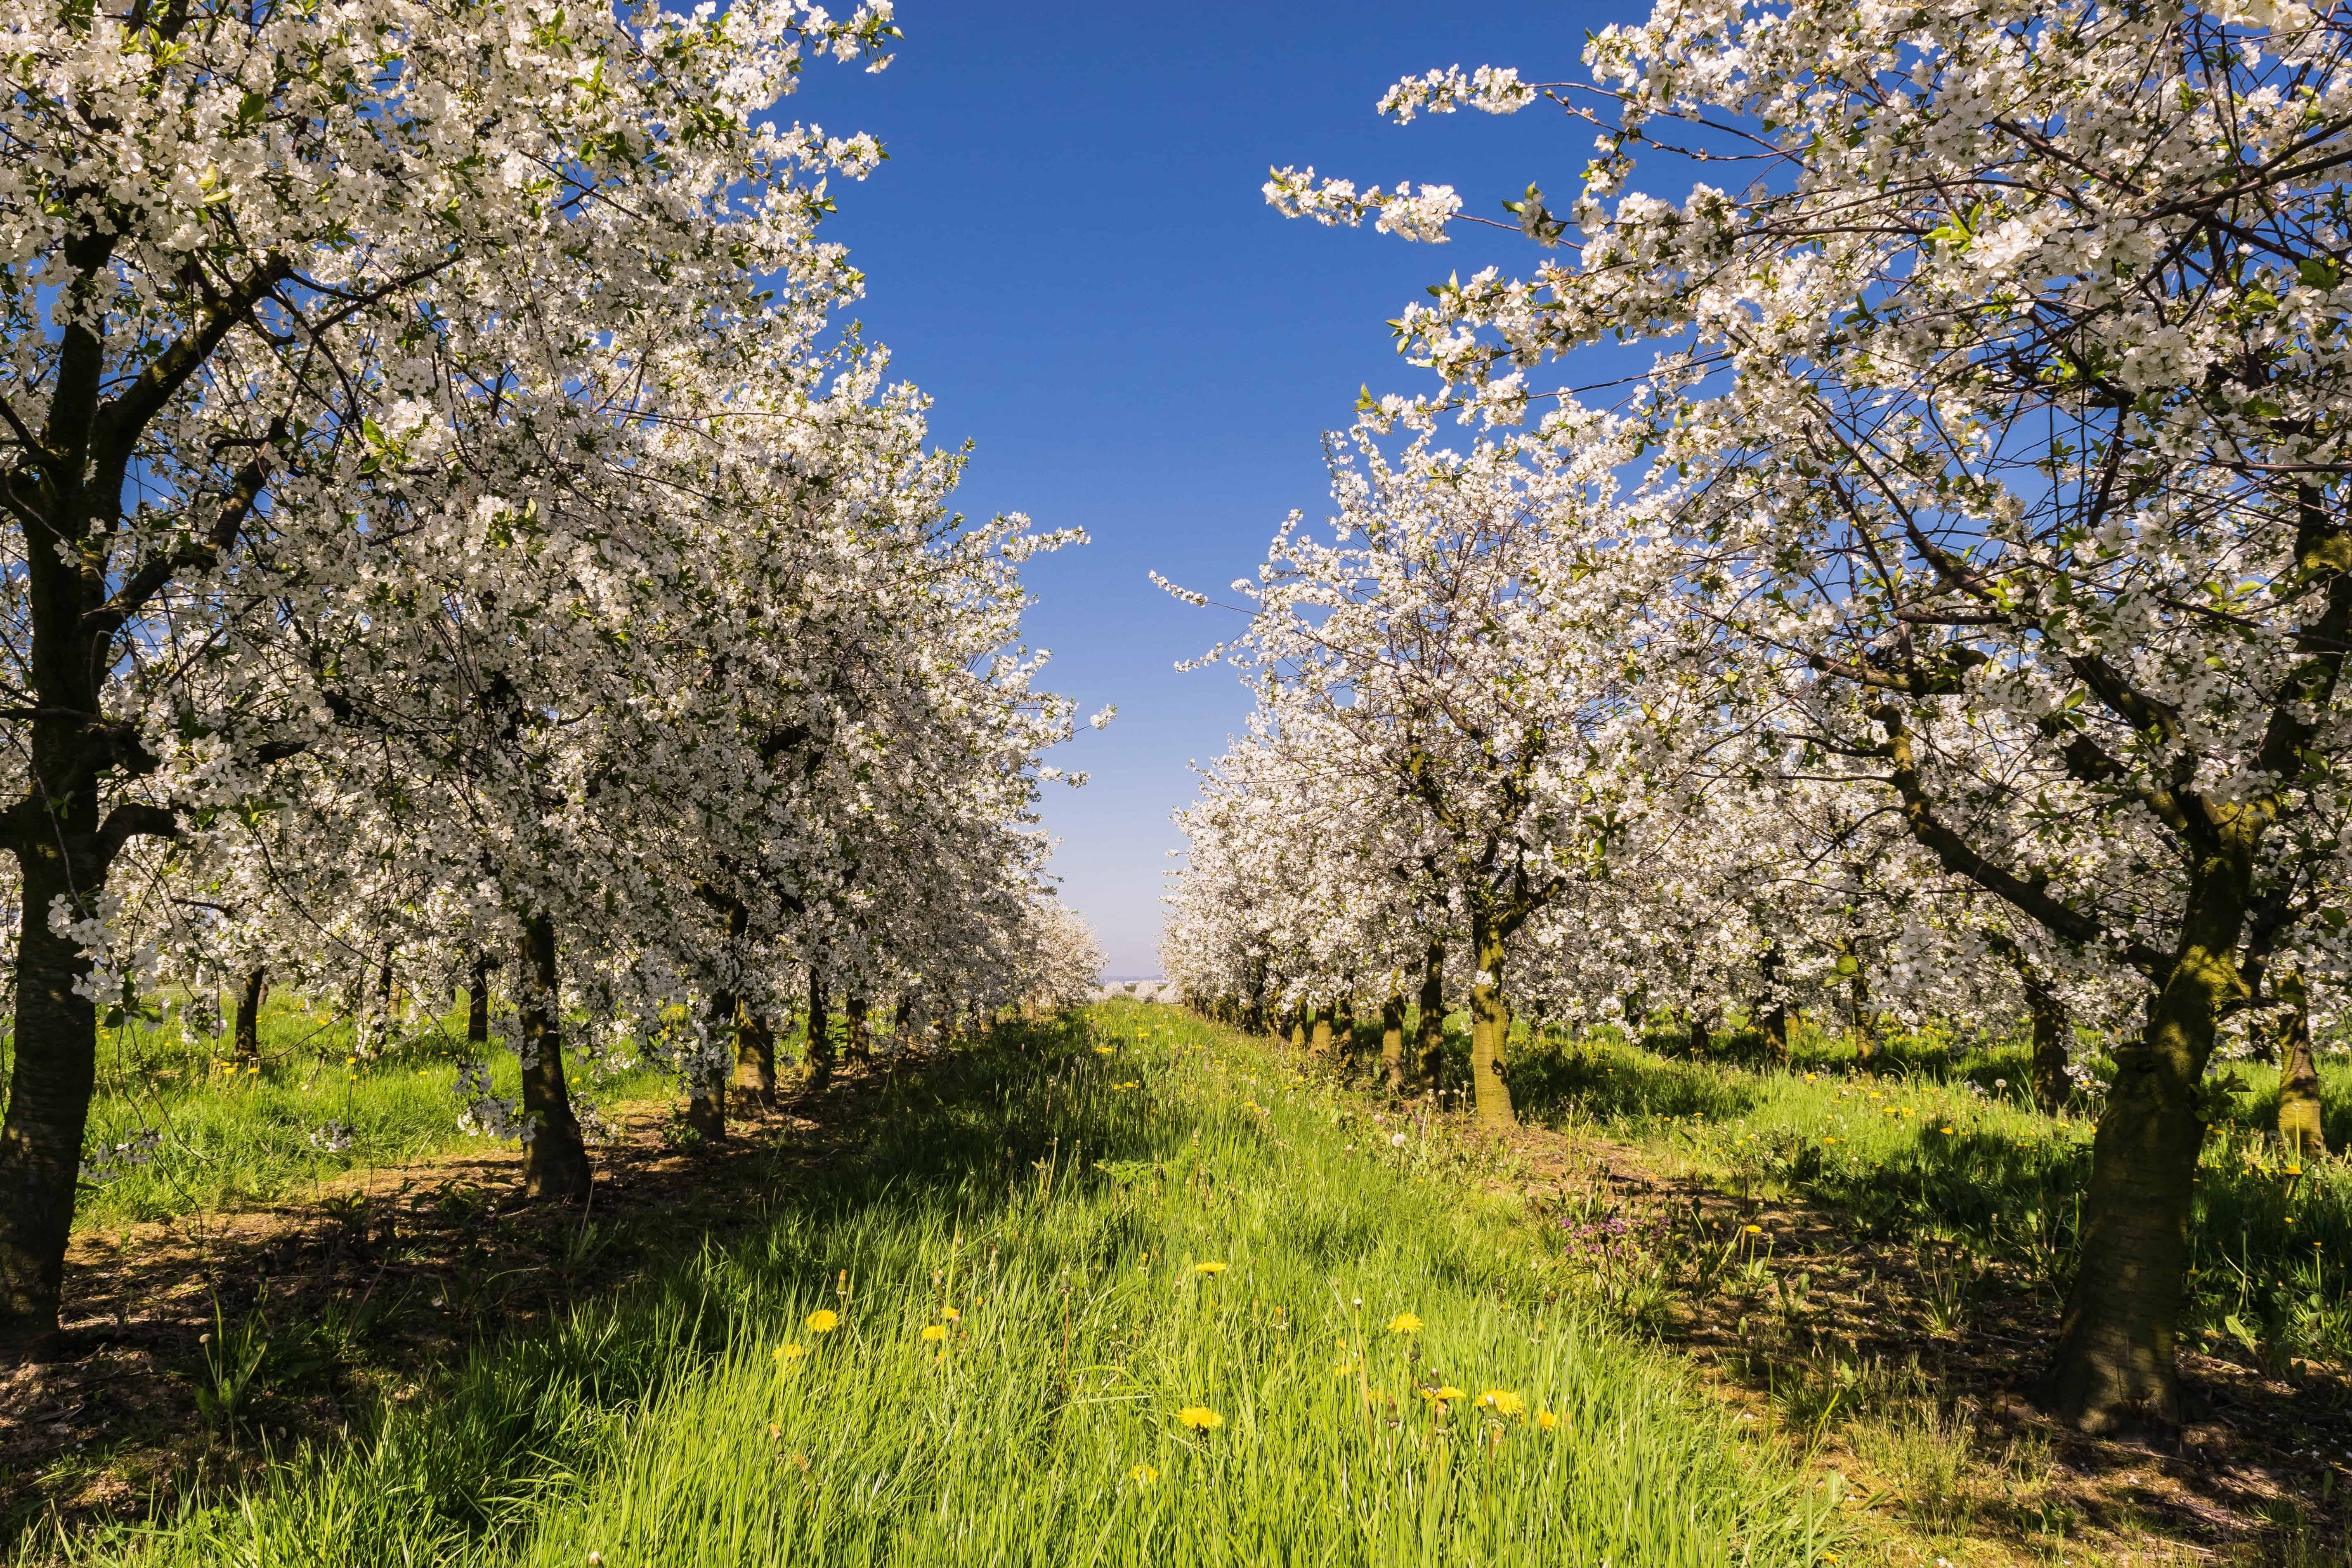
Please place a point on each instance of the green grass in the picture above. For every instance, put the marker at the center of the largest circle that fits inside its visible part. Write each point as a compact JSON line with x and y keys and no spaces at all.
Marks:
{"x":231,"y":1138}
{"x":2271,"y":1244}
{"x":1059,"y":1188}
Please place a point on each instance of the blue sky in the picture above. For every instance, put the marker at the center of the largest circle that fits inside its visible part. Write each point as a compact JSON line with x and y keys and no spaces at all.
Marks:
{"x":1069,"y":251}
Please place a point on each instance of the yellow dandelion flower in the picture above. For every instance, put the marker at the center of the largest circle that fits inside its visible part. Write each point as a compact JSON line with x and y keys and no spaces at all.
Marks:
{"x":1200,"y":1417}
{"x":787,"y":1354}
{"x":774,"y":1430}
{"x":1208,"y":1268}
{"x":1344,"y":1369}
{"x":935,"y":1333}
{"x":824,"y":1320}
{"x":1753,"y":1229}
{"x":949,"y":1314}
{"x":1443,"y":1394}
{"x":1949,"y":1132}
{"x":1502,"y":1402}
{"x":1143,"y":1475}
{"x":1546,"y":1420}
{"x":1405,"y":1323}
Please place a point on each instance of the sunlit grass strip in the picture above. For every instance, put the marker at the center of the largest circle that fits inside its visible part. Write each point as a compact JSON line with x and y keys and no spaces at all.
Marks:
{"x":233,"y":1135}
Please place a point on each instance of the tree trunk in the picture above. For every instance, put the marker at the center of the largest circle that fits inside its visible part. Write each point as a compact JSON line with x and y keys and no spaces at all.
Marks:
{"x":859,"y":1049}
{"x":2050,"y":1029}
{"x":1319,"y":1042}
{"x":1392,"y":1035}
{"x":1701,"y":1032}
{"x":248,"y":1015}
{"x":383,"y":1000}
{"x":1490,"y":1023}
{"x":555,"y":1162}
{"x":1343,"y":1026}
{"x":706,"y":1084}
{"x":478,"y":1006}
{"x":1298,"y":1027}
{"x":755,"y":1055}
{"x":1429,"y":1027}
{"x":2114,"y":1364}
{"x":1773,"y":1008}
{"x":819,"y":1054}
{"x":2298,"y":1109}
{"x":49,"y":1088}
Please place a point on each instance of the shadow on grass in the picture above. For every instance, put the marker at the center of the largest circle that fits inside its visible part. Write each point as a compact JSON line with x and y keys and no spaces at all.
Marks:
{"x":457,"y":1351}
{"x":1621,"y":1085}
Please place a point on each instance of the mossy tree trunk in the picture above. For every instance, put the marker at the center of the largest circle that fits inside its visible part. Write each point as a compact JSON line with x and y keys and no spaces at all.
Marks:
{"x":1429,"y":1023}
{"x":555,"y":1161}
{"x":755,"y":1054}
{"x":2299,"y":1126}
{"x":1490,"y":1024}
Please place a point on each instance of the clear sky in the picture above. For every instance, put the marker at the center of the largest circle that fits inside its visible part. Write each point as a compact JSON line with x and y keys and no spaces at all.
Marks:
{"x":1069,"y":251}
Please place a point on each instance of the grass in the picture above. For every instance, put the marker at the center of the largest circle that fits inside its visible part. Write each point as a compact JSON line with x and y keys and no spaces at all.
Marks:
{"x":226,"y":1137}
{"x":1940,"y":1143}
{"x":1109,"y":1221}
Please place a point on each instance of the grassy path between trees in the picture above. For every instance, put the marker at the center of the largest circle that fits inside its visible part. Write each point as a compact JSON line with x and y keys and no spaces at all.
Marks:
{"x":1126,"y":1289}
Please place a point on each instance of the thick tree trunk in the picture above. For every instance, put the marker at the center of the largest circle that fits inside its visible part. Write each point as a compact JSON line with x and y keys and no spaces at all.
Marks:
{"x":2114,"y":1364}
{"x":555,"y":1162}
{"x":1490,"y":1024}
{"x":48,"y":1091}
{"x":819,"y":1053}
{"x":755,"y":1055}
{"x":1298,"y":1027}
{"x":248,"y":1015}
{"x":705,"y":1090}
{"x":2299,"y":1127}
{"x":1429,"y":1025}
{"x":1319,"y":1040}
{"x":2051,"y":1032}
{"x":1392,"y":1035}
{"x":1343,"y":1026}
{"x":1701,"y":1032}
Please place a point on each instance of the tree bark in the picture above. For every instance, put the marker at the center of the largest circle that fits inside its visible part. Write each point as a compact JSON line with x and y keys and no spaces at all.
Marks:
{"x":2299,"y":1126}
{"x":2050,"y":1033}
{"x":1773,"y":1008}
{"x":1701,"y":1033}
{"x":1429,"y":1025}
{"x":819,"y":1053}
{"x":1319,"y":1041}
{"x":477,"y":1004}
{"x":706,"y":1089}
{"x":555,"y":1161}
{"x":2114,"y":1365}
{"x":1490,"y":1023}
{"x":49,"y":1088}
{"x":755,"y":1055}
{"x":1392,"y":1035}
{"x":248,"y":1015}
{"x":859,"y":1049}
{"x":1343,"y":1026}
